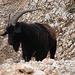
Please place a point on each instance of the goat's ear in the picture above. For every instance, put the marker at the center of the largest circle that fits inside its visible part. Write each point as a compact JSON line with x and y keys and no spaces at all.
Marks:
{"x":18,"y":29}
{"x":16,"y":46}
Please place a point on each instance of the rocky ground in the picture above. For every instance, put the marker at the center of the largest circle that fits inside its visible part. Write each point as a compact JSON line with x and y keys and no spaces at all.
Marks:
{"x":46,"y":67}
{"x":60,"y":14}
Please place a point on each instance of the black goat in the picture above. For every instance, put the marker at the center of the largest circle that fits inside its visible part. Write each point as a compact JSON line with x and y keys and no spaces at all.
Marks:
{"x":36,"y":39}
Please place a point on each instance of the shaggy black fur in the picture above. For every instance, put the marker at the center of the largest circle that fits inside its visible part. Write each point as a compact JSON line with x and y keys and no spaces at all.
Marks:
{"x":36,"y":39}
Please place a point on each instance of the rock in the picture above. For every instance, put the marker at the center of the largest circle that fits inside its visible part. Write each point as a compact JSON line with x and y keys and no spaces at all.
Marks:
{"x":22,"y":61}
{"x":38,"y":72}
{"x":48,"y":71}
{"x":36,"y":1}
{"x":9,"y":61}
{"x":48,"y":61}
{"x":54,"y":65}
{"x":50,"y":0}
{"x":43,"y":0}
{"x":47,"y":16}
{"x":28,"y":69}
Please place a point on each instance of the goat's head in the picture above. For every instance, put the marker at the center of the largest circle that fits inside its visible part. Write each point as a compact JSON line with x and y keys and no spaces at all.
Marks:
{"x":13,"y":29}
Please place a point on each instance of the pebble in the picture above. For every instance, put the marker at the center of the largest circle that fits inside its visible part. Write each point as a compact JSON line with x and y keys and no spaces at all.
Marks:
{"x":50,"y":0}
{"x":43,"y":0}
{"x":48,"y":61}
{"x":36,"y":1}
{"x":27,"y":68}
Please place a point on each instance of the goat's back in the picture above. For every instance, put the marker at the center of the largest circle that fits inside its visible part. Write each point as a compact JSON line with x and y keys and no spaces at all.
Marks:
{"x":51,"y":31}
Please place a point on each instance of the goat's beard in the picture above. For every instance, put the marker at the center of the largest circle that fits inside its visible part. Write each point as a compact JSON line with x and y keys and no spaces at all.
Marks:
{"x":16,"y":46}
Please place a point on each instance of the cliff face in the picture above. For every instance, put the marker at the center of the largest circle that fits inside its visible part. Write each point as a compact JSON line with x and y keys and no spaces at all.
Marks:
{"x":57,"y":13}
{"x":60,"y":15}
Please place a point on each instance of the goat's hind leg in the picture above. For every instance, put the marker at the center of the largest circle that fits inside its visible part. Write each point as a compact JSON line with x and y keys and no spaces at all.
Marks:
{"x":53,"y":51}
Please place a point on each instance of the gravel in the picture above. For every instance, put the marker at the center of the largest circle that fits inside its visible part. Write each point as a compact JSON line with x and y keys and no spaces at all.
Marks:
{"x":46,"y":67}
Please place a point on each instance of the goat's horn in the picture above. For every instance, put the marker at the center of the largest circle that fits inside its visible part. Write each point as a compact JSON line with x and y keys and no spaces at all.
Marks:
{"x":18,"y":15}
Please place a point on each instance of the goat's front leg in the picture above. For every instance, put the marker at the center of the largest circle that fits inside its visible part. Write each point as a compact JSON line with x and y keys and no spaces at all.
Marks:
{"x":24,"y":53}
